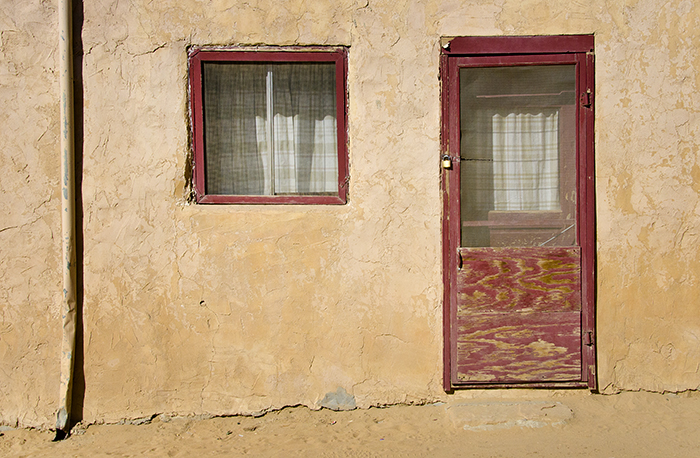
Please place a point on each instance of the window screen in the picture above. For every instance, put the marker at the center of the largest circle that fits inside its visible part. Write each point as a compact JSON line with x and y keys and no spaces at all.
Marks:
{"x":518,"y":155}
{"x":270,"y":128}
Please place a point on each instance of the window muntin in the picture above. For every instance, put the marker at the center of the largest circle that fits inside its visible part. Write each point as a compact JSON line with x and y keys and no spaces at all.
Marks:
{"x":269,"y":127}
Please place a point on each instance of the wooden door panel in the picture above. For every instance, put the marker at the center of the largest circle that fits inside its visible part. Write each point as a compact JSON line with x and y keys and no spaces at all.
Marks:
{"x":528,"y":278}
{"x":518,"y":315}
{"x":518,"y":347}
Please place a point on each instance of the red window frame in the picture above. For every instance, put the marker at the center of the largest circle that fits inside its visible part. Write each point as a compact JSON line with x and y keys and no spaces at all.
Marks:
{"x":523,"y":50}
{"x":198,"y":56}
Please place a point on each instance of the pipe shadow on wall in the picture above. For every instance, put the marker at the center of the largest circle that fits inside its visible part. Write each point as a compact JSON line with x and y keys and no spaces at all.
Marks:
{"x":78,"y":389}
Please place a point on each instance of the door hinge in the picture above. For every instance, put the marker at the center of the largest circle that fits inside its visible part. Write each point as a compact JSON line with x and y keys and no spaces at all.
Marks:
{"x":588,"y":338}
{"x":586,"y":98}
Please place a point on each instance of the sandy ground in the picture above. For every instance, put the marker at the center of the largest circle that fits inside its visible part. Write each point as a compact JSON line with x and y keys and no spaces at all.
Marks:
{"x":544,"y":424}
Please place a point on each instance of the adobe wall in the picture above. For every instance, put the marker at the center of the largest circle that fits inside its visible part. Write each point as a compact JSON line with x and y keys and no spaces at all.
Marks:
{"x":30,"y":219}
{"x":196,"y":309}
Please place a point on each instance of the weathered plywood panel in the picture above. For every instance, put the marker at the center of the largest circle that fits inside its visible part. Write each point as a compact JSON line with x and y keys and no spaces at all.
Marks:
{"x":518,"y":316}
{"x":525,"y":279}
{"x":519,"y":347}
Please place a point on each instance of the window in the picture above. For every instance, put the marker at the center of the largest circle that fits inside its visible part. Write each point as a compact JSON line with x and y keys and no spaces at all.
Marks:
{"x":518,"y":220}
{"x":269,"y":126}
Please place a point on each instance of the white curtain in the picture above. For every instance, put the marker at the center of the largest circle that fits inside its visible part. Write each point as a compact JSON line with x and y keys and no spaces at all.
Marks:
{"x":526,"y":160}
{"x":271,"y":129}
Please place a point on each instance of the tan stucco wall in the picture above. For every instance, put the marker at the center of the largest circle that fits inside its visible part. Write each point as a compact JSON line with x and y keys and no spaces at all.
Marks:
{"x":30,"y":222}
{"x":235,"y":309}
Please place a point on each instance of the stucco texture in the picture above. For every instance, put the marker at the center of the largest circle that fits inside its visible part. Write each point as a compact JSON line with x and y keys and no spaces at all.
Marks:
{"x":195,"y":309}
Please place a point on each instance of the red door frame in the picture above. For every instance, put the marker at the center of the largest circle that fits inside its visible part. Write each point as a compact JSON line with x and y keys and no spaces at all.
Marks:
{"x":534,"y":50}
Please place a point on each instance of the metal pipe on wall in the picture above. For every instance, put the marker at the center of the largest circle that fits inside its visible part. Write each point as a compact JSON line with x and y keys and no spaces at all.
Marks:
{"x":67,"y":144}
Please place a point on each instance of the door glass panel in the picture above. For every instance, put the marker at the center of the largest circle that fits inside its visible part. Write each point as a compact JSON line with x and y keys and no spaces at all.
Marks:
{"x":518,"y":156}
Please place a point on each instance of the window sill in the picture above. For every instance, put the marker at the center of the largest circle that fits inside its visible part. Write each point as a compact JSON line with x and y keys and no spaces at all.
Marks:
{"x":275,"y":200}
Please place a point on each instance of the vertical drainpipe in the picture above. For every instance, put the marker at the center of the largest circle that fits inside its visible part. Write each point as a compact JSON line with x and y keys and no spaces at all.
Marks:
{"x":69,"y":314}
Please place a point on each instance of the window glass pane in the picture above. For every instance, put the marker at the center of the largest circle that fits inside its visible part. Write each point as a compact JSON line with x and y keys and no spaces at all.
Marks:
{"x":518,"y":155}
{"x":234,"y":128}
{"x":270,"y":128}
{"x":305,"y":129}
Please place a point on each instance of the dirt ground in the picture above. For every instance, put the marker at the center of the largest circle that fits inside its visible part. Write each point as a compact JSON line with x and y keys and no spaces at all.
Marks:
{"x":545,"y":424}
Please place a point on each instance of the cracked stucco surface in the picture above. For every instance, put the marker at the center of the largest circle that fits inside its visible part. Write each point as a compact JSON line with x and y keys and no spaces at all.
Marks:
{"x":236,"y":309}
{"x":29,"y":215}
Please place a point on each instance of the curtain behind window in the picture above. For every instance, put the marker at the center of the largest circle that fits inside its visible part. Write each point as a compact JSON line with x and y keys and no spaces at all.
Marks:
{"x":526,"y":160}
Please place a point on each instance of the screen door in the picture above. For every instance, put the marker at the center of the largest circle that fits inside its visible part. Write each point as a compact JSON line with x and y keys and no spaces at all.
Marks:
{"x":516,"y":233}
